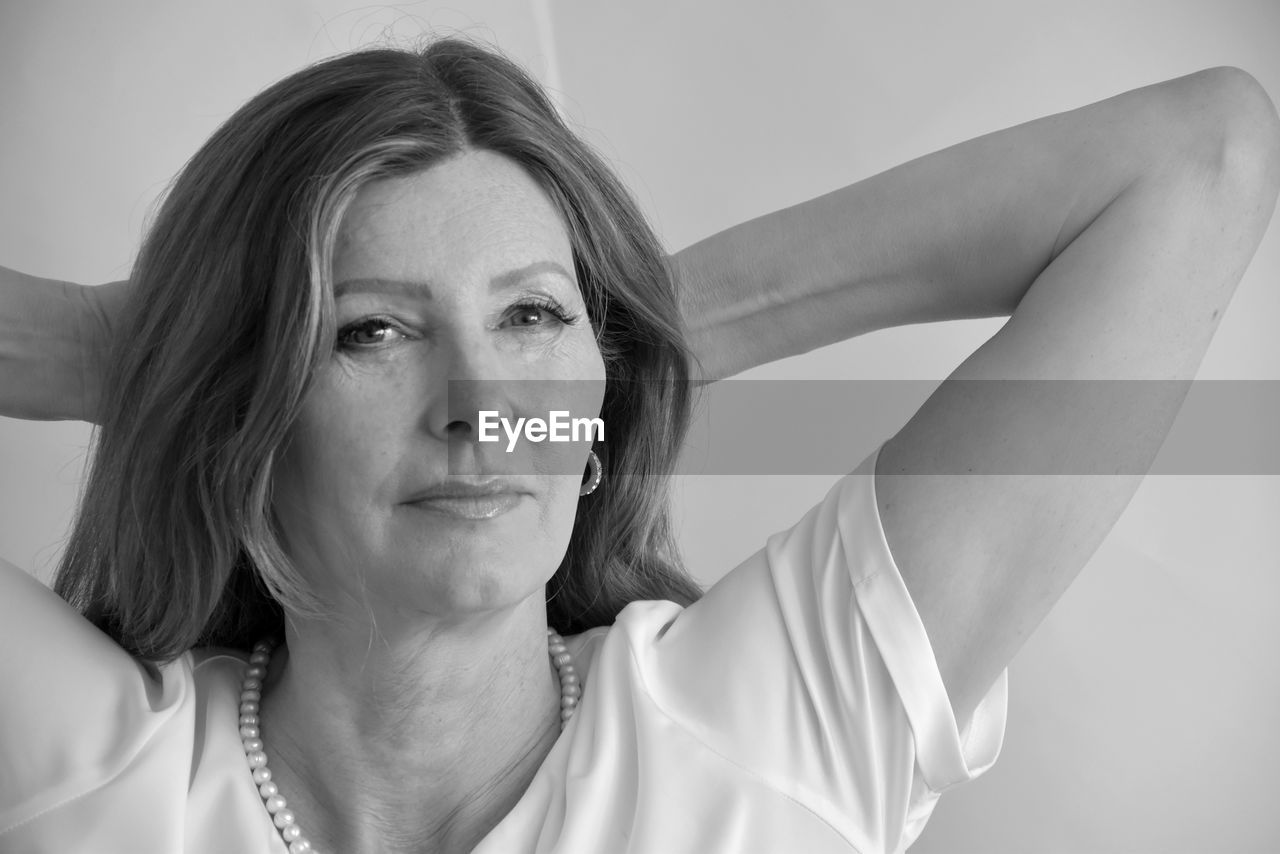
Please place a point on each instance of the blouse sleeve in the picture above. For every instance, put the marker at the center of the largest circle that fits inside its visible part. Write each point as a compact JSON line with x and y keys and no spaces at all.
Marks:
{"x":76,"y":709}
{"x":809,"y":665}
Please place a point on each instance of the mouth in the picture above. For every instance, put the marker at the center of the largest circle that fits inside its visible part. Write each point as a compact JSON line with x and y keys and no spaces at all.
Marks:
{"x":476,"y":500}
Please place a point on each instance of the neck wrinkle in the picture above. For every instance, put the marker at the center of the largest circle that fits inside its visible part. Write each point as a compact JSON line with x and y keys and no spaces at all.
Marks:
{"x":407,"y":747}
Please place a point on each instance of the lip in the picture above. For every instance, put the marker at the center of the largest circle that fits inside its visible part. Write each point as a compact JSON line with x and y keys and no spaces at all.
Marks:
{"x":462,"y":487}
{"x":465,"y":499}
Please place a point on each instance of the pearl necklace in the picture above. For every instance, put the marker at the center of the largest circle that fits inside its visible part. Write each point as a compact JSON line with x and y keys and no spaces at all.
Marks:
{"x":255,"y":751}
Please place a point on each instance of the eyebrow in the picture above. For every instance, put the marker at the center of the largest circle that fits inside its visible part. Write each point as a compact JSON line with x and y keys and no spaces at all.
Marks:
{"x":420,"y":289}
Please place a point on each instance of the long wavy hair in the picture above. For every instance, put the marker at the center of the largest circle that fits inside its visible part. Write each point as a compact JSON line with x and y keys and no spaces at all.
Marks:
{"x":175,"y":544}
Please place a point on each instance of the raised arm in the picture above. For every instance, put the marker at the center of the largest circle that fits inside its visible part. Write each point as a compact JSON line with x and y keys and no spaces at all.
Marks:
{"x":53,"y":345}
{"x":1115,"y":234}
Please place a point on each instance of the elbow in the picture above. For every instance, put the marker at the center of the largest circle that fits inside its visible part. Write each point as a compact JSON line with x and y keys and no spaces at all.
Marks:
{"x":1235,"y":132}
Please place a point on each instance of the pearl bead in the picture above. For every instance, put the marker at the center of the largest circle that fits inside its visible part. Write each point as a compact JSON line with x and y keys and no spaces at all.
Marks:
{"x":255,"y":753}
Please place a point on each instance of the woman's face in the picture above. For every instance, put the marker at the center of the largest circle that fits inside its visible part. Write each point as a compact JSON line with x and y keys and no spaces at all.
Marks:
{"x":458,"y":272}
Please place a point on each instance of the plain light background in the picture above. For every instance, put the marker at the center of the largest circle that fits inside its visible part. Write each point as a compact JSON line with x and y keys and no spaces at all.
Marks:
{"x":1142,"y":713}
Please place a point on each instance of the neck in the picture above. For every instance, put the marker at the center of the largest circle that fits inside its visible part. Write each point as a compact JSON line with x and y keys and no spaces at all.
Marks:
{"x":410,"y":738}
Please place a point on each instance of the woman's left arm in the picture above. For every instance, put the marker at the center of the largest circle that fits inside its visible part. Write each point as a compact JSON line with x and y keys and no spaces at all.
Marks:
{"x":1115,"y":234}
{"x":960,"y":233}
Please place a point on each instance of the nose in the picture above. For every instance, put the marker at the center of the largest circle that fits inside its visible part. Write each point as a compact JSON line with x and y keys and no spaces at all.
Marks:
{"x":473,"y":374}
{"x":475,"y":379}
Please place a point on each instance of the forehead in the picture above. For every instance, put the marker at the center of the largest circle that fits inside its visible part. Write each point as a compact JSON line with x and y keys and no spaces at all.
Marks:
{"x":470,"y":214}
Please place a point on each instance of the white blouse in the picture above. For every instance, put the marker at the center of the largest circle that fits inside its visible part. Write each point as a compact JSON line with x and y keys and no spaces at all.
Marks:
{"x":796,"y":707}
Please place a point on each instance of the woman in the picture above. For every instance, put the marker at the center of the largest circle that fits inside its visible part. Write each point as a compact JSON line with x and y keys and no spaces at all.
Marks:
{"x":281,"y":460}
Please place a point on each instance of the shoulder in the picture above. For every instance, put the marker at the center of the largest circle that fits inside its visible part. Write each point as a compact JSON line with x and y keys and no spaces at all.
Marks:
{"x":808,"y":665}
{"x":79,"y":712}
{"x":55,"y":660}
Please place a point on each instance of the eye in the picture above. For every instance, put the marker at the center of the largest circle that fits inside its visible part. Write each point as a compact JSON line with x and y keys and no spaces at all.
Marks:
{"x":368,"y":332}
{"x":534,"y":312}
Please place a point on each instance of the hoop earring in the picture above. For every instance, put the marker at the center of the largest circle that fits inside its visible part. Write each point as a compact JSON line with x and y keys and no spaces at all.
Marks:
{"x":597,"y":474}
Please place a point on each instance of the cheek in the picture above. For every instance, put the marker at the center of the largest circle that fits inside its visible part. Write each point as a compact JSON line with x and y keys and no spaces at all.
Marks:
{"x":575,"y":355}
{"x":593,"y":361}
{"x":558,"y":514}
{"x":334,"y":458}
{"x":302,"y":493}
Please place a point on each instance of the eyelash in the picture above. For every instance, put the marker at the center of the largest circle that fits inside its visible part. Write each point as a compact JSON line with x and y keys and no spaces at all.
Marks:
{"x":541,"y":303}
{"x":549,"y":305}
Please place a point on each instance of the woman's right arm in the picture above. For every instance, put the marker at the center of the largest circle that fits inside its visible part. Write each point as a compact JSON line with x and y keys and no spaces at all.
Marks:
{"x":54,"y":339}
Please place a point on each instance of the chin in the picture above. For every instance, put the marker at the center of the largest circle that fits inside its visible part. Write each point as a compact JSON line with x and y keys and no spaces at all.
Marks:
{"x":472,"y":586}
